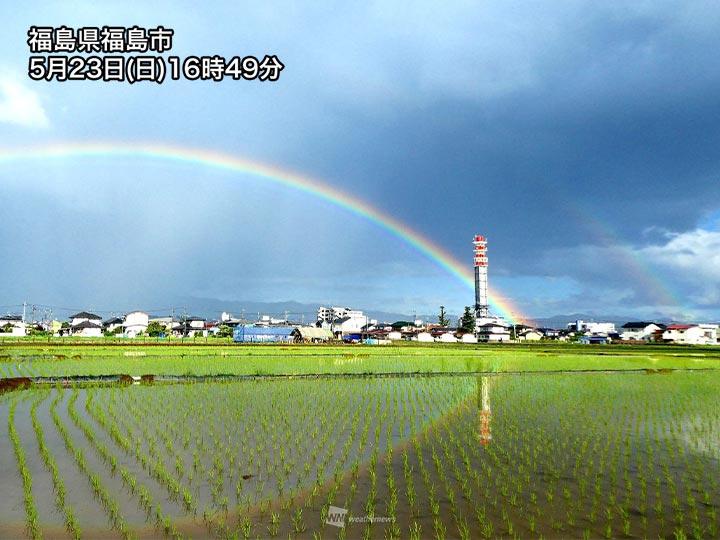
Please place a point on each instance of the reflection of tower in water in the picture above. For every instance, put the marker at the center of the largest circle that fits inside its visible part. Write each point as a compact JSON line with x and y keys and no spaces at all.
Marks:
{"x":484,"y":412}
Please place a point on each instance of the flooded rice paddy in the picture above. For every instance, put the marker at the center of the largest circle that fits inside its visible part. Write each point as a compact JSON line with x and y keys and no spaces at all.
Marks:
{"x":544,"y":455}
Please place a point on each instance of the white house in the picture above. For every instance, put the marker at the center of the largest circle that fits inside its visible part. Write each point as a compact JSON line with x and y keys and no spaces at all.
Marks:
{"x":446,"y":337}
{"x":329,"y":314}
{"x":425,"y":337}
{"x":684,"y":333}
{"x":86,"y":324}
{"x":530,"y":335}
{"x":136,"y":322}
{"x":12,"y":326}
{"x":191,"y":327}
{"x":640,"y":331}
{"x":468,"y":338}
{"x":593,"y":328}
{"x":711,"y":333}
{"x":112,"y":324}
{"x":493,"y":332}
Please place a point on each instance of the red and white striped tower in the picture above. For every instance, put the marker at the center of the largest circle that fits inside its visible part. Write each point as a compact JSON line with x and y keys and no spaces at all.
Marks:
{"x":482,"y":308}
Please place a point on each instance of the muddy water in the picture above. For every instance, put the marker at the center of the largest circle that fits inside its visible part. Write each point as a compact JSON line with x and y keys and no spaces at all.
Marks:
{"x":504,"y":456}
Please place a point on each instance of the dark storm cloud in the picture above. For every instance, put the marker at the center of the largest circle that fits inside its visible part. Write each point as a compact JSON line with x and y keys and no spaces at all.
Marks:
{"x":560,"y":130}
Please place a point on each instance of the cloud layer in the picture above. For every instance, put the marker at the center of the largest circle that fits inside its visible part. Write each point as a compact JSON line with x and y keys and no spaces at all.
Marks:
{"x":580,"y":137}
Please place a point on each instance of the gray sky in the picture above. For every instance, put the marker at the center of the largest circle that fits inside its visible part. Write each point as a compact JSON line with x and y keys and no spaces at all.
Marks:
{"x":580,"y":137}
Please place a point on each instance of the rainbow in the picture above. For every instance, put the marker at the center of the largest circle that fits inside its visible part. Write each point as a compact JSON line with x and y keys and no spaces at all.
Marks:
{"x":196,"y":156}
{"x":632,"y":262}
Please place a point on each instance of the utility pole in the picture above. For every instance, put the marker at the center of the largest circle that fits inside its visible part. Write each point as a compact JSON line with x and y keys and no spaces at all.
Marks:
{"x":24,"y":306}
{"x":32,"y":316}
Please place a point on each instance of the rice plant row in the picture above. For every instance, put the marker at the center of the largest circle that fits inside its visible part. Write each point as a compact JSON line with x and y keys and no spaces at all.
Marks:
{"x":493,"y":456}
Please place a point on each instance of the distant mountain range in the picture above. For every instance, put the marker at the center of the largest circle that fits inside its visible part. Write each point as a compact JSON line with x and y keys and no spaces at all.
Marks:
{"x":212,"y":308}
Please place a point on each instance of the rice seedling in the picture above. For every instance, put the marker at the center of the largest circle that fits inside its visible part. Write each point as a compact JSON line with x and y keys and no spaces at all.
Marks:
{"x":31,"y":514}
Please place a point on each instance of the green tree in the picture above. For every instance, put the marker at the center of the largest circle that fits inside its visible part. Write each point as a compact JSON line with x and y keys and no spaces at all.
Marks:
{"x":155,"y":328}
{"x":442,"y":318}
{"x":467,"y":321}
{"x":224,"y":331}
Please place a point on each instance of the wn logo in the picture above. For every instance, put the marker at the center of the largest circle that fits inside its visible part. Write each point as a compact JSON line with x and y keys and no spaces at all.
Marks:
{"x":336,"y":516}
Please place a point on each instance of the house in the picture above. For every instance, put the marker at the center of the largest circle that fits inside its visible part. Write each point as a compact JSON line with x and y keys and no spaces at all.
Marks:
{"x":593,"y":328}
{"x":403,"y":326}
{"x":424,"y":337}
{"x":446,"y":337}
{"x":437,"y":332}
{"x":169,"y":322}
{"x":112,"y":324}
{"x":54,"y":327}
{"x":468,"y":338}
{"x":12,"y":325}
{"x":190,"y":327}
{"x":343,"y":320}
{"x":86,"y":324}
{"x":691,"y":334}
{"x":530,"y":335}
{"x":349,"y":324}
{"x":136,"y":322}
{"x":550,"y":333}
{"x":493,"y":332}
{"x":327,"y":315}
{"x":639,"y":331}
{"x":711,"y":333}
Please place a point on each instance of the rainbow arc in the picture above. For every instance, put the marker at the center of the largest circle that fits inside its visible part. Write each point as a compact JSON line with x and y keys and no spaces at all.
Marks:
{"x":218,"y":160}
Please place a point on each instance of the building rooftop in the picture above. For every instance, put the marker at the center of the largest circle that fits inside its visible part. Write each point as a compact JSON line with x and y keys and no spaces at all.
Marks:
{"x":85,"y":315}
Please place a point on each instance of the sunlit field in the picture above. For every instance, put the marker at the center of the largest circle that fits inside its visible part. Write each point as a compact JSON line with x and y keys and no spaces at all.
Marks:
{"x":546,"y":454}
{"x":81,"y":359}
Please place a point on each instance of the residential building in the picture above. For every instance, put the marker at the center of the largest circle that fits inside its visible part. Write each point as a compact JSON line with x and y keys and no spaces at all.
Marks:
{"x":493,"y":332}
{"x":348,"y":324}
{"x":12,"y":325}
{"x":112,"y":324}
{"x":593,"y":328}
{"x":530,"y":335}
{"x":550,"y":333}
{"x":711,"y":333}
{"x":446,"y":337}
{"x":640,"y":331}
{"x":683,"y":333}
{"x":168,"y":322}
{"x":86,"y":324}
{"x":330,"y":314}
{"x":190,"y":327}
{"x":136,"y":322}
{"x":424,"y":337}
{"x":691,"y":334}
